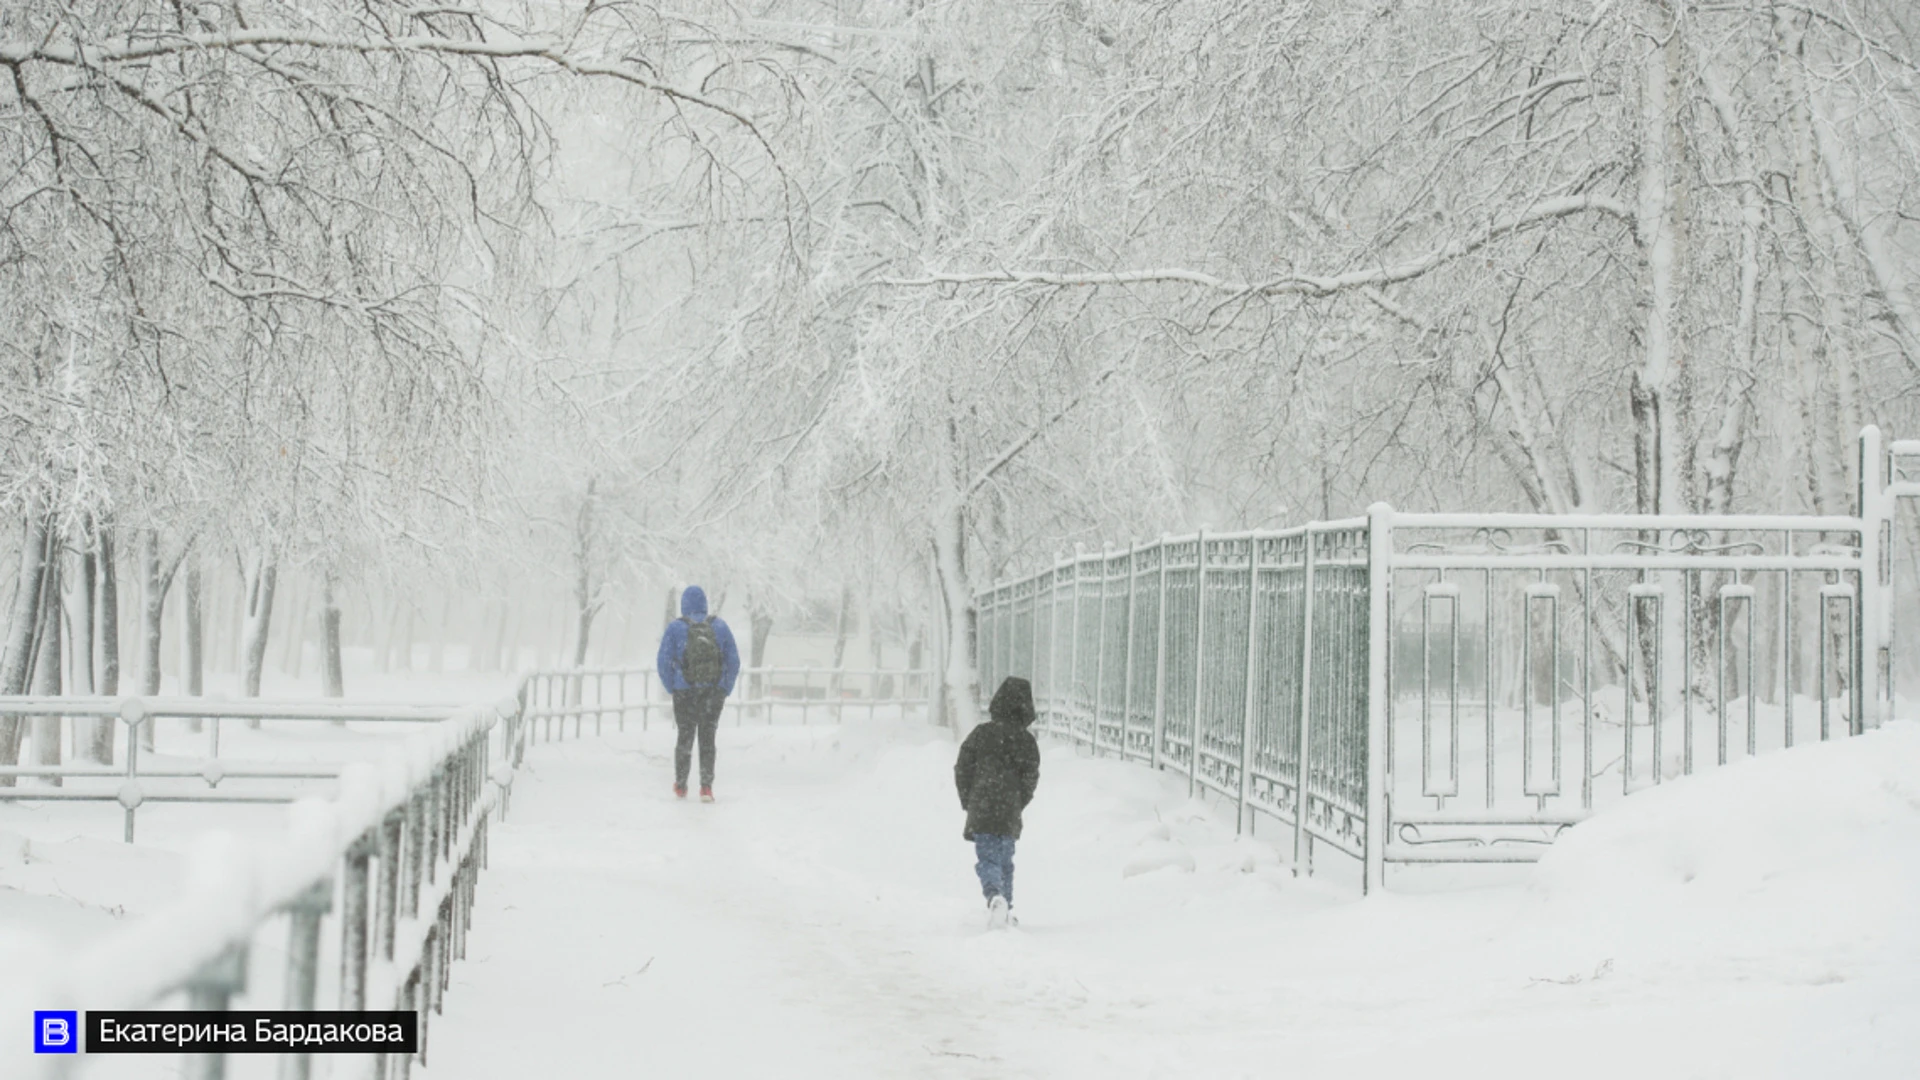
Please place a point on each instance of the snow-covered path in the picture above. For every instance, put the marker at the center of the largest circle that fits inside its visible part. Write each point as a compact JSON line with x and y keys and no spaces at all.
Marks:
{"x":822,"y":920}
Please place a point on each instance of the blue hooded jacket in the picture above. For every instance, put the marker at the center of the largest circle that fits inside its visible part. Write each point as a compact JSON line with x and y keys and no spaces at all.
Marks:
{"x":673,"y":645}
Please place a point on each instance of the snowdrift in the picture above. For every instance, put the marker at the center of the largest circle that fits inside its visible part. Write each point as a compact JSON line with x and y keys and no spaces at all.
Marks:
{"x":1810,"y":857}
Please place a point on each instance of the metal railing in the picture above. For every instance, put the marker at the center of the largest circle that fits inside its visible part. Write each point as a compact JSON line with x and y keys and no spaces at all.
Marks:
{"x":1231,"y":658}
{"x":1540,"y":666}
{"x":762,"y":695}
{"x":137,"y":787}
{"x":1449,"y":688}
{"x":374,"y":888}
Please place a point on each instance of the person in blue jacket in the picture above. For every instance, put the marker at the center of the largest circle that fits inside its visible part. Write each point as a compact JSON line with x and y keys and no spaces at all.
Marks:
{"x":698,"y":664}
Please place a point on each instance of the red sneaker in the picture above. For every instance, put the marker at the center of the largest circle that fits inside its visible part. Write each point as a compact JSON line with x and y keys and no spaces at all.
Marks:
{"x":679,"y":791}
{"x":706,"y":792}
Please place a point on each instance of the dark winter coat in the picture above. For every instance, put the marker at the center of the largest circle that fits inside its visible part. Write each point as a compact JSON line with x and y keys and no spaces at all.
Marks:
{"x":673,"y":644}
{"x":999,"y":764}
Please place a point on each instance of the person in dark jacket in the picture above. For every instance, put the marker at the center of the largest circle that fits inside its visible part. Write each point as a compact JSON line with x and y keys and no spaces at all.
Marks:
{"x":996,"y":773}
{"x":698,"y":664}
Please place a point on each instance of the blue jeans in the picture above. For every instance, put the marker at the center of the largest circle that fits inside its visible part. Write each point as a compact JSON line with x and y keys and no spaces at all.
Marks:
{"x":994,"y":863}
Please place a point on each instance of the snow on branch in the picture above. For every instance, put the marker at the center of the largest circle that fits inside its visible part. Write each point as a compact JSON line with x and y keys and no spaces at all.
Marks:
{"x":98,"y":55}
{"x":1292,"y":283}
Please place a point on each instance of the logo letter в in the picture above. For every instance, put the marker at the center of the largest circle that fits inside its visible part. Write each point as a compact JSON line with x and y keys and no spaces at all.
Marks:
{"x":56,"y":1031}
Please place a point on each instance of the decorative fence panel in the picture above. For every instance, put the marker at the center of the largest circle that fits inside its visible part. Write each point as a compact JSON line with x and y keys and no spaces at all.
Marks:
{"x":1458,"y":688}
{"x":1542,"y":666}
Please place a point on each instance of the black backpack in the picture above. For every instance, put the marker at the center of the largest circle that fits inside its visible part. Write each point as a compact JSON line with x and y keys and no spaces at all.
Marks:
{"x":700,"y":662}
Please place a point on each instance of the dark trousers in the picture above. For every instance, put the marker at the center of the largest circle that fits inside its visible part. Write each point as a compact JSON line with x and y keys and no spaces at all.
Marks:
{"x":696,"y":711}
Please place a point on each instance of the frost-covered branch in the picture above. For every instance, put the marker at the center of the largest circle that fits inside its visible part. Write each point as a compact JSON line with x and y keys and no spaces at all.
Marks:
{"x":1284,"y":284}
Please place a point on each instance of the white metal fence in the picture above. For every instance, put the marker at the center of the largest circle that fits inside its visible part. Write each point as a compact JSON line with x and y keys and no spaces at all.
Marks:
{"x":1446,"y":688}
{"x":369,"y":892}
{"x":610,"y":696}
{"x":1231,"y":658}
{"x":195,"y":781}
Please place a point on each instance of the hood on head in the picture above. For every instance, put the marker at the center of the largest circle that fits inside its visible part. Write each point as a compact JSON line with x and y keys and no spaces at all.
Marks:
{"x":693,"y":602}
{"x":1013,"y":702}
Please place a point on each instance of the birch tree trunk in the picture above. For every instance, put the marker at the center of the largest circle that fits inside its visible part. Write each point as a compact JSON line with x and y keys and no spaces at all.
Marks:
{"x":157,"y":580}
{"x":94,"y":735}
{"x":260,"y":592}
{"x":761,"y":621}
{"x":16,"y":669}
{"x":109,"y":623}
{"x":332,"y":675}
{"x":196,"y":653}
{"x":840,"y":630}
{"x":293,"y":644}
{"x":959,"y":678}
{"x":46,"y":663}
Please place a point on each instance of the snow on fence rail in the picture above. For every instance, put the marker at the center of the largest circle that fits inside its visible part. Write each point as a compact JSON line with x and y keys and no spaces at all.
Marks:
{"x":373,"y":887}
{"x":1433,"y":688}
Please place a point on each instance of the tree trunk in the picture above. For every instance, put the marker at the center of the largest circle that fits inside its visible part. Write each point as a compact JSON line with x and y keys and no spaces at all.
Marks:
{"x":46,"y":663}
{"x":155,"y":603}
{"x":875,"y":660}
{"x":93,"y":736}
{"x":80,"y":615}
{"x":389,"y":634}
{"x":760,"y":622}
{"x":403,"y":648}
{"x":1659,"y":395}
{"x":840,"y":632}
{"x":1659,"y":391}
{"x":585,"y":604}
{"x":916,"y":655}
{"x":437,"y":647}
{"x":959,"y":678}
{"x":293,"y":646}
{"x":332,"y":675}
{"x":259,"y":621}
{"x":150,"y":625}
{"x":196,"y":629}
{"x":108,"y":625}
{"x":16,"y":668}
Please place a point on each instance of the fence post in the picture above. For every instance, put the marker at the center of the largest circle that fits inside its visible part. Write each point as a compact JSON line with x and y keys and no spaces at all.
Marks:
{"x":1033,"y":645}
{"x":133,"y":713}
{"x":1247,"y":725}
{"x":354,"y":936}
{"x":211,"y":989}
{"x":1302,"y":801}
{"x":986,"y":638}
{"x":1126,"y":672}
{"x":1100,"y":650}
{"x":1379,"y":704}
{"x":1871,"y":627}
{"x":1073,"y":644}
{"x":387,"y":900}
{"x":1160,"y":661}
{"x":1199,"y":660}
{"x":303,"y":966}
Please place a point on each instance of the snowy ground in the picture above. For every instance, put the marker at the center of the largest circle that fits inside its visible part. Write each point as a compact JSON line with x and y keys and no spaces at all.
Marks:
{"x":822,"y":920}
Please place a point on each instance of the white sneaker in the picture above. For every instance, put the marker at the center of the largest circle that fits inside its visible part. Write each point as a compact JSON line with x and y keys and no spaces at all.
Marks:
{"x":997,"y":913}
{"x":1013,"y":921}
